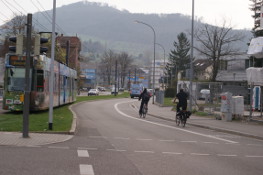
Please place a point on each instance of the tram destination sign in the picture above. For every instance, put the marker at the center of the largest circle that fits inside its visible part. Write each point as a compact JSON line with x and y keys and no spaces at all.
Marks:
{"x":19,"y":61}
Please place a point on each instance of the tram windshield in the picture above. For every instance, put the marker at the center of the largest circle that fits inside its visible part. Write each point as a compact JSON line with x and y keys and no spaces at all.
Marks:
{"x":15,"y":79}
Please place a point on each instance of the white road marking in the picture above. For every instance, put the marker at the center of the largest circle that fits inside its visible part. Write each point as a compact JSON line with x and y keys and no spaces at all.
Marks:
{"x":83,"y":153}
{"x":58,"y":147}
{"x":86,"y":169}
{"x":254,"y":145}
{"x":249,"y":156}
{"x":171,"y":127}
{"x":85,"y":148}
{"x":227,"y":155}
{"x":117,"y":150}
{"x":200,"y":154}
{"x":144,"y":151}
{"x":211,"y":142}
{"x":188,"y":141}
{"x":122,"y":138}
{"x":167,"y":140}
{"x":173,"y":153}
{"x":144,"y":139}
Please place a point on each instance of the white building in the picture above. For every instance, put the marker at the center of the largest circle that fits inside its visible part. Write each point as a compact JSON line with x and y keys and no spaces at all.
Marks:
{"x":159,"y":72}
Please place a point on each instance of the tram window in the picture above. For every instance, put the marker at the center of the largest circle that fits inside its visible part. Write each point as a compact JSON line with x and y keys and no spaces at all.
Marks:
{"x":40,"y":80}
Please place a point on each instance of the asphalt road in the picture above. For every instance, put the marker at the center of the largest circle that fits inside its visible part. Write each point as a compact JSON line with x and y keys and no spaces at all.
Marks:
{"x":111,"y":139}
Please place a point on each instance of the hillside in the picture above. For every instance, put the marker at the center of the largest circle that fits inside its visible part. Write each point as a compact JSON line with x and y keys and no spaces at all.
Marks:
{"x":116,"y":29}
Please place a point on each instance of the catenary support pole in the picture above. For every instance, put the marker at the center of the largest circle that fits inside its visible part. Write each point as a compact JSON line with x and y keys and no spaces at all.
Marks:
{"x":27,"y":79}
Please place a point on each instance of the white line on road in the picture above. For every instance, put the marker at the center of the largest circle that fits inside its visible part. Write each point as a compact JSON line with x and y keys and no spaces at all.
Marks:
{"x":86,"y":169}
{"x":188,"y":141}
{"x":58,"y":147}
{"x":249,"y":156}
{"x":122,"y":138}
{"x":144,"y":139}
{"x":173,"y":153}
{"x":226,"y":155}
{"x":117,"y":150}
{"x":171,"y":127}
{"x":200,"y":154}
{"x":84,"y":148}
{"x":211,"y":142}
{"x":144,"y":151}
{"x":83,"y":153}
{"x":167,"y":140}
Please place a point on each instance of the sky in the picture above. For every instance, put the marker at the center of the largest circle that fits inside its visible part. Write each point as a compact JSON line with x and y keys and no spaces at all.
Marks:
{"x":236,"y":12}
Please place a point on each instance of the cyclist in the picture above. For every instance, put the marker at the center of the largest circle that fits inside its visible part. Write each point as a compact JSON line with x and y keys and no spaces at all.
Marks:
{"x":182,"y":97}
{"x":145,"y":96}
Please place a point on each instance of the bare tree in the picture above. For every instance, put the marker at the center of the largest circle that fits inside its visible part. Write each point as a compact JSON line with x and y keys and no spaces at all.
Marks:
{"x":124,"y":61}
{"x":107,"y":66}
{"x":216,"y":42}
{"x":16,"y":25}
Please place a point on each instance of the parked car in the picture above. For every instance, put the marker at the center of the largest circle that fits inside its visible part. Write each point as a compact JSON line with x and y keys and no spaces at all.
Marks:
{"x":113,"y":90}
{"x":204,"y":93}
{"x":93,"y":92}
{"x":121,"y":89}
{"x":101,"y":89}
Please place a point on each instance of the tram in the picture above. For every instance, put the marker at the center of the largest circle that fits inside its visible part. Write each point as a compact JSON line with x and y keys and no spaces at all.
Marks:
{"x":65,"y":83}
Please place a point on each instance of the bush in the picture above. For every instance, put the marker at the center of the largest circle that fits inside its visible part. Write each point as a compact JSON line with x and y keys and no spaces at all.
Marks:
{"x":170,"y":92}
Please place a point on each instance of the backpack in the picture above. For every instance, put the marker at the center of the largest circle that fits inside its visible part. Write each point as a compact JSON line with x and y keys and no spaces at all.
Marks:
{"x":147,"y":96}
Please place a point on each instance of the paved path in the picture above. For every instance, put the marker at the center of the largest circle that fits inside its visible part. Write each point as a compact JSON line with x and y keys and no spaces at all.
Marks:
{"x":248,"y":129}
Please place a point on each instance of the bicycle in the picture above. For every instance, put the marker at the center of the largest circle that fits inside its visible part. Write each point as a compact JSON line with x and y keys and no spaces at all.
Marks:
{"x":144,"y":111}
{"x":181,"y":117}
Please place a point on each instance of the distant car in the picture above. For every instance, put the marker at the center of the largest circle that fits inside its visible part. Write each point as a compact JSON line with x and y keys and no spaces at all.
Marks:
{"x":113,"y":90}
{"x":93,"y":92}
{"x":121,"y":89}
{"x":136,"y":90}
{"x":101,"y":89}
{"x":204,"y":93}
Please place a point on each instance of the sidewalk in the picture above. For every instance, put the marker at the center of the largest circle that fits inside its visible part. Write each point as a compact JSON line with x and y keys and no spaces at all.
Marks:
{"x":242,"y":128}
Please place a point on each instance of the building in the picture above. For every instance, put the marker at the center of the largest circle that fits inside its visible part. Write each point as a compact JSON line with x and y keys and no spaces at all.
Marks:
{"x":159,"y":74}
{"x":74,"y":49}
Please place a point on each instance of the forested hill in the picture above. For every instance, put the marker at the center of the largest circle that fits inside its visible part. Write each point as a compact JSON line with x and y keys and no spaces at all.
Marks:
{"x":116,"y":29}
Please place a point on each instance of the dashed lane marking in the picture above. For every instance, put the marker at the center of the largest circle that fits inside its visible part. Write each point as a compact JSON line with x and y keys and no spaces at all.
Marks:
{"x":144,"y":139}
{"x":117,"y":150}
{"x":167,"y":140}
{"x":122,"y":138}
{"x":59,"y":147}
{"x":200,"y":154}
{"x":251,"y":156}
{"x":167,"y":126}
{"x":227,"y":155}
{"x":144,"y":151}
{"x":83,"y":153}
{"x":86,"y":169}
{"x":188,"y":141}
{"x":85,"y":148}
{"x":172,"y":153}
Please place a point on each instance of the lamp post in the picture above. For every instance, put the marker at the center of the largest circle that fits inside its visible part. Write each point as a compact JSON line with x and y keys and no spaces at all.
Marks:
{"x":154,"y":38}
{"x":191,"y":61}
{"x":163,"y":56}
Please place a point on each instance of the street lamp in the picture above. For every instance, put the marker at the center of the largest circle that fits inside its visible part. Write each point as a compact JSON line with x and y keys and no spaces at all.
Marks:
{"x":154,"y":38}
{"x":191,"y":63}
{"x":163,"y":55}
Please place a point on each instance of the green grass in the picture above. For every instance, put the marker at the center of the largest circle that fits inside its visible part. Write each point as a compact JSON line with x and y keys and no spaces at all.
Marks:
{"x":38,"y":121}
{"x":169,"y":102}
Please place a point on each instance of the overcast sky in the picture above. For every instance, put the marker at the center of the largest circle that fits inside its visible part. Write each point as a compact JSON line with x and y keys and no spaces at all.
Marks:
{"x":212,"y":11}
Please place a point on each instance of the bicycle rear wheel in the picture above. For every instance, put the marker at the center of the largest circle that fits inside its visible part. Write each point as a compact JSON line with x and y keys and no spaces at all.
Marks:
{"x":177,"y":120}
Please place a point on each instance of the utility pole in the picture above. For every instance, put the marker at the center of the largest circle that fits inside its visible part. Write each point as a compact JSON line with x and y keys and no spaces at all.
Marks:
{"x":27,"y":79}
{"x":115,"y":90}
{"x":51,"y":77}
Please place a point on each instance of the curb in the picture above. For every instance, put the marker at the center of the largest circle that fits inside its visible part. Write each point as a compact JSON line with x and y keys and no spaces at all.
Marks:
{"x":216,"y":129}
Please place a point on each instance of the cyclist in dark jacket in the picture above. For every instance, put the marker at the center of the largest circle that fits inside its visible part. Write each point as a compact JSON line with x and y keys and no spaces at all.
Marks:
{"x":182,"y":97}
{"x":145,"y":96}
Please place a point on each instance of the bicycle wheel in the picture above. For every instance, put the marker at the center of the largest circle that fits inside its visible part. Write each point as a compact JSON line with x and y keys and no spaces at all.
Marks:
{"x":144,"y":111}
{"x":177,"y":120}
{"x":183,"y":120}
